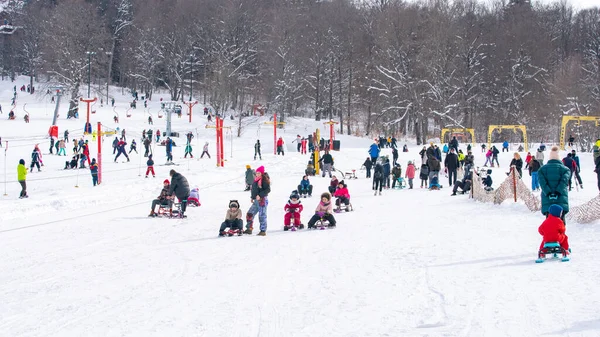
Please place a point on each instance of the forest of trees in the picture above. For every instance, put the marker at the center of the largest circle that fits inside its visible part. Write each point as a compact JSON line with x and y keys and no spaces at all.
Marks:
{"x":376,"y":66}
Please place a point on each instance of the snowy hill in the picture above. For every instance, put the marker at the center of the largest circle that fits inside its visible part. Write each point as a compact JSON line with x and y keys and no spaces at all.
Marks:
{"x":87,"y":261}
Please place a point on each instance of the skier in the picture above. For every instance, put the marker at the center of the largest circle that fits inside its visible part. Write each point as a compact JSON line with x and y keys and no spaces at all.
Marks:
{"x":233,"y":218}
{"x":188,"y":150}
{"x":189,"y":136}
{"x":394,"y":156}
{"x":150,"y":122}
{"x":115,"y":145}
{"x":62,"y":147}
{"x":259,"y":197}
{"x":150,"y":167}
{"x":35,"y":157}
{"x":257,"y":150}
{"x":121,"y":150}
{"x":147,"y":142}
{"x":292,"y":209}
{"x":504,"y":147}
{"x":157,"y":136}
{"x":51,"y":144}
{"x":205,"y":150}
{"x":22,"y":177}
{"x":169,"y":149}
{"x":133,"y":146}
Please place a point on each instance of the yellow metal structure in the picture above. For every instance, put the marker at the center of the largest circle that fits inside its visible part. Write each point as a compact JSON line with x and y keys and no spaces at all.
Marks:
{"x":458,"y":130}
{"x":523,"y":129}
{"x":318,"y":136}
{"x":567,"y":119}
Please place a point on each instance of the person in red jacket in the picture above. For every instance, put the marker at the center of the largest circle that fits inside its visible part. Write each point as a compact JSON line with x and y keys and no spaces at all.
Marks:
{"x":293,"y":208}
{"x":303,"y":143}
{"x":280,"y":146}
{"x":553,"y":228}
{"x":342,"y":194}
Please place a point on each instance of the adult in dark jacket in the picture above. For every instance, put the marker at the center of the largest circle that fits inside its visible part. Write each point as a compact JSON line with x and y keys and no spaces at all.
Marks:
{"x":327,"y":161}
{"x":518,"y":163}
{"x":368,"y":164}
{"x":571,"y":165}
{"x":386,"y":172}
{"x":395,"y":156}
{"x":577,"y":176}
{"x":434,"y":167}
{"x":597,"y":170}
{"x":554,"y":181}
{"x":261,"y":187}
{"x":454,"y":143}
{"x":181,"y":189}
{"x":534,"y":167}
{"x":451,"y":163}
{"x":378,"y":178}
{"x":464,"y":184}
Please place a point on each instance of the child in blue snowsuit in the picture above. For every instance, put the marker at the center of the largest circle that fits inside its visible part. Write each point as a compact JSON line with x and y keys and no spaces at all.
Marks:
{"x":305,"y":187}
{"x":94,"y":171}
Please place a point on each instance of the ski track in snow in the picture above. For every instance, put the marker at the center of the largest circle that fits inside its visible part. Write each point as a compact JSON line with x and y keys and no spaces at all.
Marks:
{"x":88,"y":262}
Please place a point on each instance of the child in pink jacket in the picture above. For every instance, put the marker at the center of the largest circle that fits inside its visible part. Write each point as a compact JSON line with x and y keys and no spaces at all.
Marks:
{"x":323,"y":211}
{"x":342,"y":195}
{"x":410,"y":174}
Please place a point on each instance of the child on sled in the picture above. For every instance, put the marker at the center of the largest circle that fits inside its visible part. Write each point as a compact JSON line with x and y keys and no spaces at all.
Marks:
{"x":342,"y":195}
{"x":292,"y":209}
{"x":323,"y":212}
{"x":194,"y":198}
{"x":233,"y":220}
{"x":553,"y":229}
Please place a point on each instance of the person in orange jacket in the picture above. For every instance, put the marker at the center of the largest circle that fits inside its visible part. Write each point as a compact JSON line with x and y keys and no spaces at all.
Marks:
{"x":280,"y":146}
{"x":553,"y":228}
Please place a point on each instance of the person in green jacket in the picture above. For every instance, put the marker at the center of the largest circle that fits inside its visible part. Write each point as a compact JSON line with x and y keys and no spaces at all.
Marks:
{"x":21,"y":177}
{"x":188,"y":150}
{"x":554,"y":181}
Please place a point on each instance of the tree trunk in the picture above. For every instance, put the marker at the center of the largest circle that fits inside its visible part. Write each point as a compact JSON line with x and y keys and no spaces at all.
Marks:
{"x":110,"y":64}
{"x":349,"y":98}
{"x":418,"y":132}
{"x":318,"y":96}
{"x":340,"y":105}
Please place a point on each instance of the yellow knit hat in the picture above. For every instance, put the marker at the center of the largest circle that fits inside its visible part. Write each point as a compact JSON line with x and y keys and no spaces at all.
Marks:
{"x":247,"y":166}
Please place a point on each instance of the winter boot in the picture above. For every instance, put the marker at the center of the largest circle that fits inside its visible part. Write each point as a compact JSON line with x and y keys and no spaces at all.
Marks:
{"x":248,"y":231}
{"x":262,"y":233}
{"x":221,"y":234}
{"x":379,"y":192}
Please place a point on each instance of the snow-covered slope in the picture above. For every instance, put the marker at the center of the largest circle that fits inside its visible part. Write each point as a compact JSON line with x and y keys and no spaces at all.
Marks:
{"x":87,"y":261}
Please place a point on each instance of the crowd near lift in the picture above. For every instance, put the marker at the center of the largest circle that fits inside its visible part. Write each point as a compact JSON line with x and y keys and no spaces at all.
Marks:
{"x":462,"y":131}
{"x":578,"y":119}
{"x":514,"y":128}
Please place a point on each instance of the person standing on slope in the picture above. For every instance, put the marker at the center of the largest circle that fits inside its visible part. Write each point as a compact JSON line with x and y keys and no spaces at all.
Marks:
{"x":181,"y":189}
{"x":261,"y":187}
{"x":22,"y":177}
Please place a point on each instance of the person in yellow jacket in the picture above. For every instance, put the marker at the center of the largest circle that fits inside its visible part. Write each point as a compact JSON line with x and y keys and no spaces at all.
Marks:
{"x":22,"y":176}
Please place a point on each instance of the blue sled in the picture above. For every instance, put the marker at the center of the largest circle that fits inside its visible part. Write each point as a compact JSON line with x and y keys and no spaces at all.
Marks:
{"x":553,"y":248}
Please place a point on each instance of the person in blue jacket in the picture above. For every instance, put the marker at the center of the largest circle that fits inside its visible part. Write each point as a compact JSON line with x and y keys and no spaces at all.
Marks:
{"x":305,"y":188}
{"x":374,"y":152}
{"x":505,"y":146}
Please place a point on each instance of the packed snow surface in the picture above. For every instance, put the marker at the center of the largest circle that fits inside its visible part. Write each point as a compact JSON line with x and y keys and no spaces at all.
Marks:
{"x":79,"y":260}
